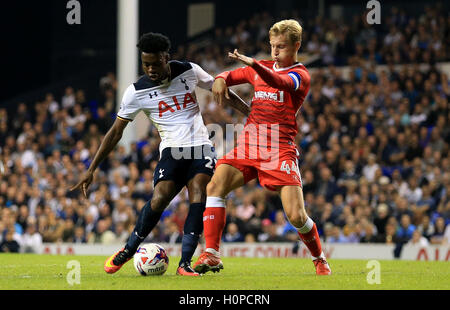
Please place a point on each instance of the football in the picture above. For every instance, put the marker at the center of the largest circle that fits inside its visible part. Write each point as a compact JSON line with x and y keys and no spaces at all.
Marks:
{"x":151,"y":259}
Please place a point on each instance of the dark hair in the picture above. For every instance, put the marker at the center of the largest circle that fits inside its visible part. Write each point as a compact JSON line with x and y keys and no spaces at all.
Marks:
{"x":153,"y":43}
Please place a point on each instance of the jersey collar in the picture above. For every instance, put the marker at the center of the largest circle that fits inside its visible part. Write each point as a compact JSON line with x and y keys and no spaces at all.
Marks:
{"x":287,"y":68}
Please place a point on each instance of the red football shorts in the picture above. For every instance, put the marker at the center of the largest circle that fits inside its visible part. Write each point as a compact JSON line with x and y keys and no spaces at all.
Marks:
{"x":273,"y":168}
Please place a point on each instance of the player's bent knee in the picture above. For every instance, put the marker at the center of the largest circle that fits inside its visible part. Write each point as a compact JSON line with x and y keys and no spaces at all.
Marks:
{"x":213,"y":189}
{"x":159,"y":203}
{"x":296,"y":218}
{"x":197,"y":192}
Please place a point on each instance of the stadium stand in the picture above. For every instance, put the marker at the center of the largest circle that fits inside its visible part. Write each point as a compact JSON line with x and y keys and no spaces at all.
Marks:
{"x":374,"y":143}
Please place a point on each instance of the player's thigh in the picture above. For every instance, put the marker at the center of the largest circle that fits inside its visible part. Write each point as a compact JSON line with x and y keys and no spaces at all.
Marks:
{"x":164,"y":192}
{"x":199,"y":172}
{"x":197,"y":187}
{"x":225,"y":179}
{"x":293,"y":204}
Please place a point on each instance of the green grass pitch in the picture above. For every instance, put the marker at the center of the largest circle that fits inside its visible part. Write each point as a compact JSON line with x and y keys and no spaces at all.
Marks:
{"x":42,"y":272}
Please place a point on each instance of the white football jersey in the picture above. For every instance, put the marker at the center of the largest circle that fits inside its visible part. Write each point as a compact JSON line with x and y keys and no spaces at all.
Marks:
{"x":171,"y":106}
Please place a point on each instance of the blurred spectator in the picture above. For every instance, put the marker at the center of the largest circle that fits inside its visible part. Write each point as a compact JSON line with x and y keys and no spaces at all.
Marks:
{"x":438,"y":235}
{"x":31,"y":240}
{"x":172,"y":234}
{"x":369,"y":234}
{"x":68,"y":100}
{"x":418,"y":240}
{"x":336,"y":235}
{"x":9,"y":244}
{"x":381,"y":218}
{"x":79,"y":235}
{"x":246,"y":210}
{"x":102,"y":234}
{"x":405,"y":229}
{"x":232,"y":234}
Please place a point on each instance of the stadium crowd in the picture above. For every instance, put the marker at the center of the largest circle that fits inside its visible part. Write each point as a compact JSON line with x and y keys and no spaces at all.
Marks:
{"x":374,"y":146}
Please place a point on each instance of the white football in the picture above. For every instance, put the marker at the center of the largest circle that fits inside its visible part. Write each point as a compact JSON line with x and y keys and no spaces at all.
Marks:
{"x":151,"y":260}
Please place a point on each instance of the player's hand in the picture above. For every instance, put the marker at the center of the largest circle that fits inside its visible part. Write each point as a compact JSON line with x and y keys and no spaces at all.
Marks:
{"x":242,"y":58}
{"x":84,"y":183}
{"x":220,"y":90}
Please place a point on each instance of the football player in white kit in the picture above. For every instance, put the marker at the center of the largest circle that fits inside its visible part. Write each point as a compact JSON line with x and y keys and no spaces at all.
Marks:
{"x":166,"y":94}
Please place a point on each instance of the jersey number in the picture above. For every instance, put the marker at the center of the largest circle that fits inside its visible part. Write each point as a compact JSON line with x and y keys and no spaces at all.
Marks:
{"x":285,"y":167}
{"x":209,"y":164}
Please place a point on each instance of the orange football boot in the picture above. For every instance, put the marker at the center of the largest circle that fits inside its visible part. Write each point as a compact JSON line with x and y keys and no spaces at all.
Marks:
{"x":187,"y":271}
{"x":208,"y":262}
{"x":117,"y":260}
{"x":322,"y":267}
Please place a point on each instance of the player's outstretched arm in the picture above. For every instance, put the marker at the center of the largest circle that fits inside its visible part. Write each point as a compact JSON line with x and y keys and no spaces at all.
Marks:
{"x":283,"y":82}
{"x":110,"y":141}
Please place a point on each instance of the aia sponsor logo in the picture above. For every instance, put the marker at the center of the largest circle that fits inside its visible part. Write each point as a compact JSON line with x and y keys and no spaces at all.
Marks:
{"x":174,"y":105}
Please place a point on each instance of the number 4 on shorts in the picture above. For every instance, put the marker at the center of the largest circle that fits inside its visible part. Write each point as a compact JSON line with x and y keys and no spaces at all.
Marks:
{"x":285,"y":167}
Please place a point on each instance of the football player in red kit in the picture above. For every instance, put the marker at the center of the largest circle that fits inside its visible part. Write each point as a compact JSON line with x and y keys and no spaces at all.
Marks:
{"x":266,"y":147}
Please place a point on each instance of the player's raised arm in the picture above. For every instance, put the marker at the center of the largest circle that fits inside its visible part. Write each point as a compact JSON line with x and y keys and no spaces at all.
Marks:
{"x":110,"y":141}
{"x":283,"y":82}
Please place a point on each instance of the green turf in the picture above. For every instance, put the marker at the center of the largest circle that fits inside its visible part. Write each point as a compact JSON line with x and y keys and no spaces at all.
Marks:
{"x":37,"y":272}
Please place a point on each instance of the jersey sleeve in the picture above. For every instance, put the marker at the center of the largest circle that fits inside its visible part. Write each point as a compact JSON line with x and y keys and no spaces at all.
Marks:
{"x":129,"y":106}
{"x":237,"y":76}
{"x":290,"y":82}
{"x":205,"y":80}
{"x":301,"y":79}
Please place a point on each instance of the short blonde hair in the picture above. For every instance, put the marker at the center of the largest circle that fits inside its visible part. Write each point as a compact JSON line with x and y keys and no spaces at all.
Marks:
{"x":291,"y":27}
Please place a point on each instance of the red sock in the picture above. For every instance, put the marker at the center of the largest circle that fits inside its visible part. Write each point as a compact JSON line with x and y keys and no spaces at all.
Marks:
{"x":213,"y":224}
{"x":312,"y":241}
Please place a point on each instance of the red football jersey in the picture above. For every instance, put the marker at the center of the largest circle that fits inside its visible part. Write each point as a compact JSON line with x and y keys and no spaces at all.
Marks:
{"x":278,"y":95}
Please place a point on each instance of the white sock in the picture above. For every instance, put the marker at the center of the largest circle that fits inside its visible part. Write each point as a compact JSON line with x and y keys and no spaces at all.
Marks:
{"x":212,"y":251}
{"x":215,"y":202}
{"x":321,"y":256}
{"x":306,"y":228}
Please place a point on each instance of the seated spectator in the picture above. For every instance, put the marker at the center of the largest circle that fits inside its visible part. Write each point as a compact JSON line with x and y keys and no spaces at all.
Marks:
{"x":171,"y":232}
{"x":265,"y":233}
{"x":232,"y":234}
{"x":426,"y":227}
{"x":418,"y":240}
{"x":369,"y":236}
{"x":390,"y":235}
{"x":31,"y":241}
{"x":438,"y":236}
{"x":246,"y":210}
{"x":9,"y":245}
{"x":337,"y":236}
{"x":102,"y":234}
{"x":381,"y":218}
{"x":405,"y":229}
{"x":79,"y":235}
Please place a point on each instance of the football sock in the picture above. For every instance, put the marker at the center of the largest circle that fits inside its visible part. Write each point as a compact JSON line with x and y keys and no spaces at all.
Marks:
{"x":147,"y":220}
{"x":214,"y":219}
{"x":193,"y":227}
{"x":310,"y":237}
